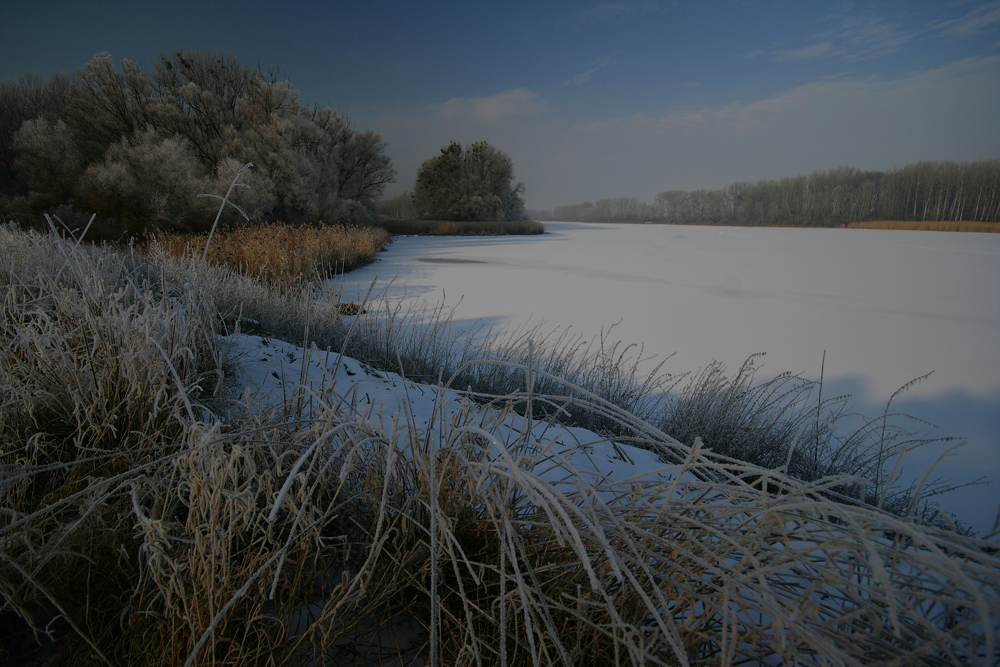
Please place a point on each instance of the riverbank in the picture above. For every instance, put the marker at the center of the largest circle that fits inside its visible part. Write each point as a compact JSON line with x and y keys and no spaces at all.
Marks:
{"x":914,"y":225}
{"x":175,"y":494}
{"x":418,"y":227}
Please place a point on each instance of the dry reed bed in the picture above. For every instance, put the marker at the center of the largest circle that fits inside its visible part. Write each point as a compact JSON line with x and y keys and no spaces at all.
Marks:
{"x":138,"y":528}
{"x":944,"y":226}
{"x":280,"y":253}
{"x":449,"y":228}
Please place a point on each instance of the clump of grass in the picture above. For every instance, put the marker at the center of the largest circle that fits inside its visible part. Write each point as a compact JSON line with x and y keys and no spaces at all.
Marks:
{"x":282,"y":254}
{"x":102,"y":367}
{"x":784,"y":423}
{"x":936,"y":226}
{"x":449,"y":228}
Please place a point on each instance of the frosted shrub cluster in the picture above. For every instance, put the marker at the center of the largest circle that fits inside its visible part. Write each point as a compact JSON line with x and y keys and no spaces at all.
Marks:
{"x":135,"y":146}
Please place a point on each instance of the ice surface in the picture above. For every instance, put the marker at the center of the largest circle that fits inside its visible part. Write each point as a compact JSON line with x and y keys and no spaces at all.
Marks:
{"x":886,"y":306}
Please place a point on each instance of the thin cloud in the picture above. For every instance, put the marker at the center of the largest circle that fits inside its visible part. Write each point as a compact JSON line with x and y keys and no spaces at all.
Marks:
{"x":815,"y":51}
{"x":584,"y":77}
{"x":606,"y":12}
{"x":868,"y":123}
{"x":856,"y":36}
{"x":871,"y":37}
{"x":978,"y":20}
{"x":513,"y":103}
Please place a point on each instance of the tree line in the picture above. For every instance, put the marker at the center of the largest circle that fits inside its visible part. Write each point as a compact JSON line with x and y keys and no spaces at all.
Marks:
{"x":922,"y":191}
{"x":137,"y":146}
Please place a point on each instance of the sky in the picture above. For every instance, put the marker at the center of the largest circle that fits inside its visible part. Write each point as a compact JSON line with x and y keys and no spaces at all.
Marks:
{"x":590,"y":99}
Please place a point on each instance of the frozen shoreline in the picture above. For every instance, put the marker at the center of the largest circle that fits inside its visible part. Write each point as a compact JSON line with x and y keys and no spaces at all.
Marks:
{"x":886,"y":306}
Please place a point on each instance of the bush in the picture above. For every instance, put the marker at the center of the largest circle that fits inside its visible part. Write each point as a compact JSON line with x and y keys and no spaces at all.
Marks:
{"x":145,"y":182}
{"x":402,"y":206}
{"x":136,"y":146}
{"x":47,"y":159}
{"x":24,"y":99}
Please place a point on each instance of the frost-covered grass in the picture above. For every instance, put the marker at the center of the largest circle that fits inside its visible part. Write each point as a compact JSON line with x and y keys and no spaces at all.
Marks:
{"x":170,"y":496}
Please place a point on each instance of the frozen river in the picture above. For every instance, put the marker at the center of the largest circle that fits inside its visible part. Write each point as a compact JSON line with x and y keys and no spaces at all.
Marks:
{"x":886,"y":306}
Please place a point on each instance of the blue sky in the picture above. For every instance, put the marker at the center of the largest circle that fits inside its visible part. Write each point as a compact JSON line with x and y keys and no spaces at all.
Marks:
{"x":591,"y":99}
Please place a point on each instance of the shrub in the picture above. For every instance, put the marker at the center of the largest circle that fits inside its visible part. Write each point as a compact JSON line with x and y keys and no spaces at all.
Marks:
{"x":48,"y":159}
{"x":26,"y":98}
{"x":145,"y":182}
{"x":402,"y":206}
{"x":135,"y":146}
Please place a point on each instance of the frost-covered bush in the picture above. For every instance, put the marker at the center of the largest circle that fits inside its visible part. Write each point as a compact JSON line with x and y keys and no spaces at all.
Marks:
{"x":48,"y":159}
{"x":110,"y":139}
{"x":145,"y":181}
{"x":256,"y":200}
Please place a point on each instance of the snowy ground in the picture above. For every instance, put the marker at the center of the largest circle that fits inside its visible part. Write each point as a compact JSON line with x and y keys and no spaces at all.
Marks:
{"x":268,"y":372}
{"x":886,"y":306}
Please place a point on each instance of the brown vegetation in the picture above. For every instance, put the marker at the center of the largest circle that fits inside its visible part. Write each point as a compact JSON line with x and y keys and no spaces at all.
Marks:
{"x":448,"y":228}
{"x":280,"y":253}
{"x":955,"y":226}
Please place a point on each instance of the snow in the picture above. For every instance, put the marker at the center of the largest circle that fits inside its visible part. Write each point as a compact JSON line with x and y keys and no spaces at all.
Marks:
{"x":268,"y":371}
{"x":885,"y":306}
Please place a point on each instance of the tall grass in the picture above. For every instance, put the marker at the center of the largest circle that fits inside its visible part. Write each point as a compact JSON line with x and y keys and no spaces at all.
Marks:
{"x":144,"y":521}
{"x":936,"y":226}
{"x":282,"y":254}
{"x":449,"y":228}
{"x":102,"y":365}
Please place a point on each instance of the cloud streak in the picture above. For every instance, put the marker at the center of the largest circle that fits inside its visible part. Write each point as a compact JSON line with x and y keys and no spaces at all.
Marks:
{"x":872,"y":37}
{"x":978,"y":20}
{"x":584,"y":77}
{"x":605,"y":12}
{"x":814,"y":51}
{"x":513,"y":103}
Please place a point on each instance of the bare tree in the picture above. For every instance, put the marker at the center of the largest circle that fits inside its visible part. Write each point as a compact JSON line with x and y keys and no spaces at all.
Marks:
{"x":941,"y":190}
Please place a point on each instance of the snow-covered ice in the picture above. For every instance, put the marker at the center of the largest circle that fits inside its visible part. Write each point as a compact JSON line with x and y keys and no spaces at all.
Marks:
{"x":885,"y":306}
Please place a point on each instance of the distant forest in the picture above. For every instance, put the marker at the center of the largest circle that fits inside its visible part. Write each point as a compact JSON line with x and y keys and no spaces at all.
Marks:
{"x":922,"y":191}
